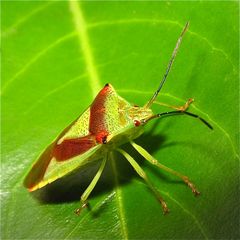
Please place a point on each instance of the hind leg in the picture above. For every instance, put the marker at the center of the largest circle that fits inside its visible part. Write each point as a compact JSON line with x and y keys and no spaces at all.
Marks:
{"x":143,"y":175}
{"x":152,"y":160}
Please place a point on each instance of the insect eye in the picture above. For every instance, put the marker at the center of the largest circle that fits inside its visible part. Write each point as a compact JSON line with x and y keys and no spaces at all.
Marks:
{"x":104,"y":140}
{"x":137,"y":123}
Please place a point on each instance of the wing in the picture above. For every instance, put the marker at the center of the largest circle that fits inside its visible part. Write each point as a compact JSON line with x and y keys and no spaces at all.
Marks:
{"x":39,"y":168}
{"x":47,"y":169}
{"x":71,"y":149}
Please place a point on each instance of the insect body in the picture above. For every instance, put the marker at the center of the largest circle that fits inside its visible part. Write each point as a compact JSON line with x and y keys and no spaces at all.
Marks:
{"x":109,"y":122}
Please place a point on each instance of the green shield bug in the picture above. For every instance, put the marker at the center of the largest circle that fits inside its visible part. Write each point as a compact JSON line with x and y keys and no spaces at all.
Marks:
{"x":109,"y":122}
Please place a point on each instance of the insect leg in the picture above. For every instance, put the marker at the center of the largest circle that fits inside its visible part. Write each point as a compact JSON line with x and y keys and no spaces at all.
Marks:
{"x":143,"y":175}
{"x":179,"y":108}
{"x":91,"y":186}
{"x":152,"y":160}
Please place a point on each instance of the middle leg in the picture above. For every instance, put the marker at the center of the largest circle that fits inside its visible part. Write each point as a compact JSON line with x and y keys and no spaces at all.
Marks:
{"x":143,"y":175}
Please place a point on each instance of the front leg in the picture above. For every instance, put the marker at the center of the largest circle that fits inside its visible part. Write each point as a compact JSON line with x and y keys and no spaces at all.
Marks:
{"x":182,"y":108}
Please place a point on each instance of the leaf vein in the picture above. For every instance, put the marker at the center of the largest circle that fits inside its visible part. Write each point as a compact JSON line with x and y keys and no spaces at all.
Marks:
{"x":35,"y":58}
{"x":81,"y":28}
{"x":59,"y":88}
{"x":188,"y":213}
{"x":161,"y":21}
{"x":25,"y":18}
{"x":96,"y":206}
{"x":119,"y":201}
{"x":196,"y":221}
{"x":62,"y":86}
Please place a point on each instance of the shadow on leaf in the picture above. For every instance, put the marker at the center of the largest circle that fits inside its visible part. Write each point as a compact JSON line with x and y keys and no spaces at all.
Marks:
{"x":71,"y":187}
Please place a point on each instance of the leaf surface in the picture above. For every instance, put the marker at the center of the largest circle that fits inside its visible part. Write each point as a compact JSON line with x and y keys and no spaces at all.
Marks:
{"x":58,"y":55}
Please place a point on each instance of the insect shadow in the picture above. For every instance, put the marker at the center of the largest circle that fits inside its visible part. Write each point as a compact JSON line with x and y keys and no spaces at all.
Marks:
{"x":71,"y":187}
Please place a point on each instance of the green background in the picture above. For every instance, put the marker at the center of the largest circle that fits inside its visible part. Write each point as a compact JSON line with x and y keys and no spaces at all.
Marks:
{"x":58,"y":55}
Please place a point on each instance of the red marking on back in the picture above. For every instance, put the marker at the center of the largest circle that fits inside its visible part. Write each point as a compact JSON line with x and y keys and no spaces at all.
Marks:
{"x":97,"y":124}
{"x":73,"y":147}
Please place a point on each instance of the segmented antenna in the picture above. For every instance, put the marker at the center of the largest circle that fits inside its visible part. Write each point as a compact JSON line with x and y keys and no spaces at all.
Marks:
{"x":148,"y":104}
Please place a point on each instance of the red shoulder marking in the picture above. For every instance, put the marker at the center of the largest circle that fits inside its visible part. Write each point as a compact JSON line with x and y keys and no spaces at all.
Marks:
{"x":72,"y":147}
{"x":97,"y":124}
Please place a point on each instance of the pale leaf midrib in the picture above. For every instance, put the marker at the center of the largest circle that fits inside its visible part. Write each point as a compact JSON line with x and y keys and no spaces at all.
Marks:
{"x":119,"y":200}
{"x":81,"y":28}
{"x":109,"y":23}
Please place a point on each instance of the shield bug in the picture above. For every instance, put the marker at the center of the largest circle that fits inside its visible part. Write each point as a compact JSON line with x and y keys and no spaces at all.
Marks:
{"x":109,"y":122}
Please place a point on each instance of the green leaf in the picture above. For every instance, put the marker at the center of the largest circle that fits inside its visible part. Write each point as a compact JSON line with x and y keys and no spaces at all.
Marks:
{"x":58,"y":55}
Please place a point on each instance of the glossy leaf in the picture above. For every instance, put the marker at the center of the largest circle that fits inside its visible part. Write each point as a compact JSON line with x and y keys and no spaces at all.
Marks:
{"x":58,"y":55}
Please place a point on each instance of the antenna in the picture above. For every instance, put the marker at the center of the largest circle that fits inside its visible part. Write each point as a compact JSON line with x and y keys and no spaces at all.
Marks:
{"x":148,"y":104}
{"x":174,"y":113}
